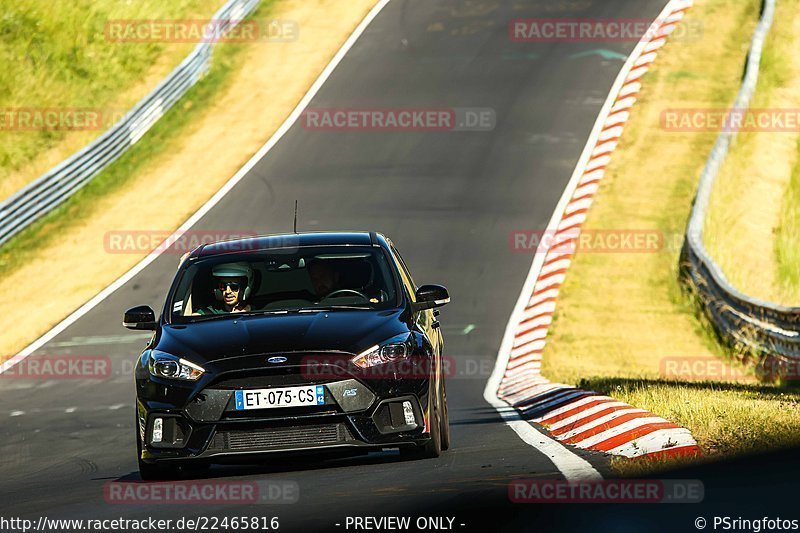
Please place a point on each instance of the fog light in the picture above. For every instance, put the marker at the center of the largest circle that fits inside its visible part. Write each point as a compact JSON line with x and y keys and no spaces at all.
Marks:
{"x":408,"y":413}
{"x":158,"y":429}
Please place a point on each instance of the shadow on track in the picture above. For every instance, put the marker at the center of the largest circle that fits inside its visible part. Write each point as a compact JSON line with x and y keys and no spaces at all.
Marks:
{"x":297,"y":463}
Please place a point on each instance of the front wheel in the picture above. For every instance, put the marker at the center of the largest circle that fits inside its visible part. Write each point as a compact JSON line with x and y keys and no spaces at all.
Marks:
{"x":445,"y":420}
{"x":152,"y":472}
{"x":433,"y":448}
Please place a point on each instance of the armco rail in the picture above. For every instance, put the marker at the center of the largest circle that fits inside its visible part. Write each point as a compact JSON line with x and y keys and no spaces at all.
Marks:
{"x":745,"y":322}
{"x":58,"y":184}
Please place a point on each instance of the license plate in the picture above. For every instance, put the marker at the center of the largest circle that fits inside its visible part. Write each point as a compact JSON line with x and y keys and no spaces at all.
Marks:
{"x":280,"y":397}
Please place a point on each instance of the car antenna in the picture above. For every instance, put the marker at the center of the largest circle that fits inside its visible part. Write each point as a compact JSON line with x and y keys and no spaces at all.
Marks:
{"x":295,"y":216}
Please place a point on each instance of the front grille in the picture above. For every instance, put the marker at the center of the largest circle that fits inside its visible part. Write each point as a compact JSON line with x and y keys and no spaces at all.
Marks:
{"x":282,"y":412}
{"x":263,"y":381}
{"x":287,"y":377}
{"x":254,"y":372}
{"x":281,"y":437}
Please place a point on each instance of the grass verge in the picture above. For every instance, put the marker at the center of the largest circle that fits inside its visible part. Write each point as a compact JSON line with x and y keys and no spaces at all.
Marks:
{"x":55,"y":55}
{"x":623,"y":323}
{"x":751,"y":229}
{"x":787,"y":243}
{"x":162,"y":138}
{"x":203,"y":141}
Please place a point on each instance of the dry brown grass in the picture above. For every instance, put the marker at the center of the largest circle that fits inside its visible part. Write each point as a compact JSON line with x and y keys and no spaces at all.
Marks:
{"x":57,"y":57}
{"x":620,"y":314}
{"x":747,"y":202}
{"x":272,"y":79}
{"x":622,"y":317}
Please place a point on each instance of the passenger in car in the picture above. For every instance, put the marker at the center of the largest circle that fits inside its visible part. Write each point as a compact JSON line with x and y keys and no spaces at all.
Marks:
{"x":324,"y":278}
{"x":327,"y":279}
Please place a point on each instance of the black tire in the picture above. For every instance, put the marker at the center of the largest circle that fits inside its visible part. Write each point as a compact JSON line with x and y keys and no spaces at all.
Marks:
{"x":444,"y":429}
{"x":433,"y":448}
{"x":154,"y":472}
{"x":186,"y":470}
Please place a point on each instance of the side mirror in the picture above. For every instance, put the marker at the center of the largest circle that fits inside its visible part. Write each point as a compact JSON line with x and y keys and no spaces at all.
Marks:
{"x":141,"y":317}
{"x":430,"y":296}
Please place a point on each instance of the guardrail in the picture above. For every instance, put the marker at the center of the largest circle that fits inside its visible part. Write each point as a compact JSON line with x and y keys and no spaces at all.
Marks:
{"x":747,"y":324}
{"x":59,"y":183}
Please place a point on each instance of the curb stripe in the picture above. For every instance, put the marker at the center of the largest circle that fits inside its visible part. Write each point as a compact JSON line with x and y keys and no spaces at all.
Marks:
{"x":578,"y":417}
{"x":628,"y":436}
{"x":591,"y":431}
{"x":558,"y":415}
{"x":586,"y":419}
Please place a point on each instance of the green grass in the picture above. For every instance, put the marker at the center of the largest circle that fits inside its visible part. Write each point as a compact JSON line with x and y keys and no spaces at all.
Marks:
{"x":620,"y":314}
{"x":727,"y":419}
{"x":787,"y":241}
{"x":620,"y":317}
{"x":161,"y":139}
{"x":752,"y":229}
{"x":55,"y":55}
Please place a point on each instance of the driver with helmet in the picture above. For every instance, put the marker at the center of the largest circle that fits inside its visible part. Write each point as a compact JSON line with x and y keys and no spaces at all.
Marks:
{"x":232,"y":286}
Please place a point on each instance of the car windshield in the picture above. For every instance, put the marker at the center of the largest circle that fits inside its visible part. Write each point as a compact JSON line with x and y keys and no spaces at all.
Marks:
{"x":280,"y":281}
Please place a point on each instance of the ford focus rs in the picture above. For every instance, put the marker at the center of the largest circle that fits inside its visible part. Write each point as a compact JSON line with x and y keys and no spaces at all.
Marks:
{"x":290,"y":343}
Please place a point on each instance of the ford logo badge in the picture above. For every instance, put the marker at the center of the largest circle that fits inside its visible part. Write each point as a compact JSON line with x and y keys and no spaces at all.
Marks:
{"x":276,"y":360}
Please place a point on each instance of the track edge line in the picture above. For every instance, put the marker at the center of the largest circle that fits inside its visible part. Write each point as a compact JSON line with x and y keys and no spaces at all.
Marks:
{"x":567,"y":461}
{"x":211,"y":202}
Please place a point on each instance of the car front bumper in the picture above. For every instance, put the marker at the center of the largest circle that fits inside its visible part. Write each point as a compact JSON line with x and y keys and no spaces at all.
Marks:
{"x":203,"y":424}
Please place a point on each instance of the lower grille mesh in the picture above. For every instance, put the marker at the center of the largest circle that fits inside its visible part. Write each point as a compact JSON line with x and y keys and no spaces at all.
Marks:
{"x":281,"y":437}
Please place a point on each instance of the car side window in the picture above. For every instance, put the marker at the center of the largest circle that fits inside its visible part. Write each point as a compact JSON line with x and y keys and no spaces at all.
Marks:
{"x":407,"y":280}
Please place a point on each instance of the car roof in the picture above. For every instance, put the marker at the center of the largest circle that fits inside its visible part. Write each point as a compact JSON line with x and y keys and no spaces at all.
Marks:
{"x":290,"y":240}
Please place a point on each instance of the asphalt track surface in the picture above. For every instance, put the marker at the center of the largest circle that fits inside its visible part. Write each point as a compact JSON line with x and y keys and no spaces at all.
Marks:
{"x":449,"y":200}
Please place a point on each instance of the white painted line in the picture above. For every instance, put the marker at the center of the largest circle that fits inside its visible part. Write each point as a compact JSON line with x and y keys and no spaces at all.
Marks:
{"x":101,"y":339}
{"x":287,"y":124}
{"x":562,"y":457}
{"x":567,"y":462}
{"x":17,"y":413}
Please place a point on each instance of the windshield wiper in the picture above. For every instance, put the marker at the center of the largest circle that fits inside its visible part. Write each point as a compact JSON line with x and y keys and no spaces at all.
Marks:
{"x":204,"y":318}
{"x":331,"y":308}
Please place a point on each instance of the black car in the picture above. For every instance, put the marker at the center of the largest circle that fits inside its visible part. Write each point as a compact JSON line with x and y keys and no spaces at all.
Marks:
{"x":289,"y":343}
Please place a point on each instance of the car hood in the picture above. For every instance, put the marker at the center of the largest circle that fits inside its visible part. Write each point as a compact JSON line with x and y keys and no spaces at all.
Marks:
{"x":341,"y":330}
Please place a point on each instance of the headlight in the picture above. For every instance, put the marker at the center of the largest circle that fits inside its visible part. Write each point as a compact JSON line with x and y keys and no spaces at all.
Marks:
{"x":387,"y":352}
{"x":164,"y":365}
